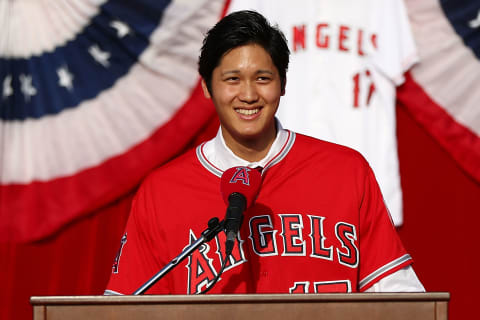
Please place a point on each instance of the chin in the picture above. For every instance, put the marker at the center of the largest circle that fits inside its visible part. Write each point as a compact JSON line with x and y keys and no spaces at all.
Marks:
{"x":250,"y":134}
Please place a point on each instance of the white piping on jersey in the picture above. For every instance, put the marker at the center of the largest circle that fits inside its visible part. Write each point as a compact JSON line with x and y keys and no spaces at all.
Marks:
{"x":216,"y":157}
{"x":112,"y":293}
{"x":283,"y":152}
{"x":389,"y":266}
{"x":207,"y":164}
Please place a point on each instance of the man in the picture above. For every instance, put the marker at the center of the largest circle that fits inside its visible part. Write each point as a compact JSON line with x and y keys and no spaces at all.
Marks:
{"x":319,"y":223}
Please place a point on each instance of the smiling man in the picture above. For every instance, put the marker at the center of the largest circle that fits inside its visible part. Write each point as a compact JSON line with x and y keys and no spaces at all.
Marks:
{"x":246,"y":89}
{"x":319,"y":223}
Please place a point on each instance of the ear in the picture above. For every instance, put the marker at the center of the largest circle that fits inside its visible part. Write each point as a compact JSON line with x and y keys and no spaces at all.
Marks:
{"x":206,"y":93}
{"x":282,"y":93}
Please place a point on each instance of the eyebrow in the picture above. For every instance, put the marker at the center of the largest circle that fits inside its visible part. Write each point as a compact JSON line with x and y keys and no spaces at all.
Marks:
{"x":238,"y":71}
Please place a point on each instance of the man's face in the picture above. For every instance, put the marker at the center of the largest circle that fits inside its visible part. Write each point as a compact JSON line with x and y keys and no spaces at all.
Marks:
{"x":246,"y":90}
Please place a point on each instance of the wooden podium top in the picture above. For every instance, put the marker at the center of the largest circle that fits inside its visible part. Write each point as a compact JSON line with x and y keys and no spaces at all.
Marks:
{"x":409,"y":306}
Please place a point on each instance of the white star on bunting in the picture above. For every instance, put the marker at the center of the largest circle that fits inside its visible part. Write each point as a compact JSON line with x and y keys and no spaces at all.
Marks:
{"x":99,"y":55}
{"x":475,"y":23}
{"x":122,"y":28}
{"x":26,"y":86}
{"x":7,"y":87}
{"x":65,"y":78}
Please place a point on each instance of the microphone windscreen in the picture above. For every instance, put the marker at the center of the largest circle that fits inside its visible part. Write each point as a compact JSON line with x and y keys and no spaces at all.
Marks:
{"x":243,"y":180}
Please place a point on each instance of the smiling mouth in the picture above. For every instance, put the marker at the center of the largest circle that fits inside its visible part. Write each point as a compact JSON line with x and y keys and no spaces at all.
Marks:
{"x":247,"y":112}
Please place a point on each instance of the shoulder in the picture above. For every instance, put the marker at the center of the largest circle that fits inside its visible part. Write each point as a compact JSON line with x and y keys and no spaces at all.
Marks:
{"x":309,"y":147}
{"x":166,"y":187}
{"x":317,"y":160}
{"x":177,"y":169}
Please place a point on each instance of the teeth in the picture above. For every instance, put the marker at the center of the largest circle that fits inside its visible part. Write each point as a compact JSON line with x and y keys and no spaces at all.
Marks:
{"x":247,"y":111}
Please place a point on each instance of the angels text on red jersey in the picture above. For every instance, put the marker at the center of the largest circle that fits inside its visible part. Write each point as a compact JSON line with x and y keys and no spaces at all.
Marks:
{"x":291,"y":239}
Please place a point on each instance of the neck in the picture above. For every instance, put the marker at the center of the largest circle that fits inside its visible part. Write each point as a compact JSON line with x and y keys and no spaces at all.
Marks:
{"x":253,"y":149}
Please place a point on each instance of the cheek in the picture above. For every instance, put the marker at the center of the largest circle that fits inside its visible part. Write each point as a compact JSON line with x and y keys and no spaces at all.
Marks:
{"x":271,"y":95}
{"x":223,"y":93}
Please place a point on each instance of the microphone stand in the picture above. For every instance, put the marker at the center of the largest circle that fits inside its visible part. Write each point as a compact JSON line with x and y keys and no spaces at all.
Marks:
{"x":214,"y":227}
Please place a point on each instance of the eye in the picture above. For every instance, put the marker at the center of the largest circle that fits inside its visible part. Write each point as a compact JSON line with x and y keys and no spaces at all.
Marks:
{"x":232,"y":79}
{"x":264,"y":78}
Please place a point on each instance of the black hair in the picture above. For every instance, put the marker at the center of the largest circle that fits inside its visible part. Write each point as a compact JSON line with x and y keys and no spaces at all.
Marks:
{"x":238,"y":29}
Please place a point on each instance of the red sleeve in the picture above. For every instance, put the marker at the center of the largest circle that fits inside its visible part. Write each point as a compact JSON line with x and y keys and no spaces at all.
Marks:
{"x":137,"y":260}
{"x":381,"y":251}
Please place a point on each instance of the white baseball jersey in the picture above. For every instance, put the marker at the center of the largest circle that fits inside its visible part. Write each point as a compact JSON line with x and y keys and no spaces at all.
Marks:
{"x":347,"y":57}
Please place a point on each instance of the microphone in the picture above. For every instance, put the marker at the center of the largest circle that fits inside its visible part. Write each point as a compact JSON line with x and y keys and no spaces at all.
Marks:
{"x":239,"y":187}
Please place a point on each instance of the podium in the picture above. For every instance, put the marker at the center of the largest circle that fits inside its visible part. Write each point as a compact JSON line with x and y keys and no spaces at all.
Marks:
{"x":372,"y":306}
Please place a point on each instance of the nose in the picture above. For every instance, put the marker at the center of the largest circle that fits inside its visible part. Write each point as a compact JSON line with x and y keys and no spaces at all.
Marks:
{"x":248,"y":92}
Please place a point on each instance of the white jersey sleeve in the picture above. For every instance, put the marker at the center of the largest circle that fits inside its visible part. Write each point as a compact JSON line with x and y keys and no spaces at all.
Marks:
{"x":398,"y":51}
{"x":404,"y":280}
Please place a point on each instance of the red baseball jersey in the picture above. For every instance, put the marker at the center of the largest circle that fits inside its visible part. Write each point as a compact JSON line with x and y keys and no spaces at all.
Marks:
{"x":319,"y":224}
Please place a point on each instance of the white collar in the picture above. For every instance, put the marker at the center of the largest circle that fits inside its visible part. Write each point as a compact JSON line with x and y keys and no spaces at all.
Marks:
{"x":217,"y":157}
